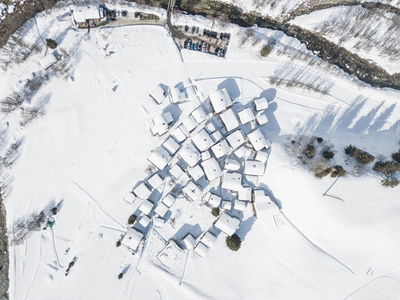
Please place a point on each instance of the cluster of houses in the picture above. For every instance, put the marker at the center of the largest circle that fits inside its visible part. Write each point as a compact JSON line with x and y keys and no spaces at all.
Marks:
{"x":214,"y":156}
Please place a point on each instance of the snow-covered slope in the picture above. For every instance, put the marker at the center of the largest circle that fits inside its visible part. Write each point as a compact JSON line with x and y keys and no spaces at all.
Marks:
{"x":91,"y":147}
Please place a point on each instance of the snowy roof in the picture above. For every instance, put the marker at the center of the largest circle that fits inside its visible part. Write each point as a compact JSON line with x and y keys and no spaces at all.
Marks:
{"x":259,"y":195}
{"x":208,"y":239}
{"x":190,"y":154}
{"x":199,"y":115}
{"x":211,"y":169}
{"x":254,"y":167}
{"x":246,"y":115}
{"x":225,"y":204}
{"x":210,"y":126}
{"x":158,"y":222}
{"x":229,"y":119}
{"x":142,"y":191}
{"x":158,"y":94}
{"x":189,"y":123}
{"x":201,"y":249}
{"x":239,"y":205}
{"x":165,"y":118}
{"x":192,"y":191}
{"x":232,"y":164}
{"x":169,"y":200}
{"x":161,"y":209}
{"x":189,"y":241}
{"x":216,"y":136}
{"x":221,"y":149}
{"x":171,"y":145}
{"x":196,"y":173}
{"x":244,"y":194}
{"x":227,"y":224}
{"x":178,"y":95}
{"x":47,"y":61}
{"x":179,"y":135}
{"x":262,"y":119}
{"x":260,"y":104}
{"x":236,"y":139}
{"x":205,"y":155}
{"x":87,"y":12}
{"x":144,"y":221}
{"x":258,"y":140}
{"x":176,"y":171}
{"x":160,"y":157}
{"x":129,"y":197}
{"x":213,"y":200}
{"x":161,"y":123}
{"x":220,"y":100}
{"x":242,"y":151}
{"x":232,"y":181}
{"x":262,"y":156}
{"x":202,"y":140}
{"x":132,"y":238}
{"x":155,"y":181}
{"x":170,"y":254}
{"x":146,"y":207}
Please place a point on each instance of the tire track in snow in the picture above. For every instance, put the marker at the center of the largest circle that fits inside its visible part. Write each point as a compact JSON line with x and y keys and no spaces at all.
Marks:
{"x":314,"y":245}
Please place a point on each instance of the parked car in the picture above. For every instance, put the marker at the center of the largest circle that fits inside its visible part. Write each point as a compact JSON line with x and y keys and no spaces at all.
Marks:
{"x":185,"y":44}
{"x":203,"y":48}
{"x":196,"y":46}
{"x":207,"y":48}
{"x":204,"y":31}
{"x":137,"y":14}
{"x":191,"y":46}
{"x":223,"y":52}
{"x":228,"y":36}
{"x":197,"y":30}
{"x":124,"y":13}
{"x":188,"y":44}
{"x":221,"y":36}
{"x":193,"y":29}
{"x":113,"y":14}
{"x":186,"y":28}
{"x":216,"y":51}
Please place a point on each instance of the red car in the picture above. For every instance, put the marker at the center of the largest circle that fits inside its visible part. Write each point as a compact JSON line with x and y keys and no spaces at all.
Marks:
{"x":207,"y":48}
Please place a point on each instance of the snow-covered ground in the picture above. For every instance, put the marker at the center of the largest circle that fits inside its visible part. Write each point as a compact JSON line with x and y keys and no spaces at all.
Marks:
{"x":91,"y":147}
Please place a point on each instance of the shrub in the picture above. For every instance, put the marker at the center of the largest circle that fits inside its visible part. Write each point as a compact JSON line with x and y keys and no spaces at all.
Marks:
{"x":323,"y":173}
{"x":328,"y":154}
{"x":386,"y":167}
{"x":120,"y":275}
{"x":233,"y":242}
{"x":320,"y":139}
{"x":309,"y":152}
{"x":349,"y":150}
{"x":51,"y":43}
{"x":215,"y":211}
{"x":338,"y":171}
{"x":132,"y":219}
{"x":390,"y":182}
{"x":118,"y":243}
{"x":363,"y":156}
{"x":54,"y":210}
{"x":396,"y":156}
{"x":265,"y":51}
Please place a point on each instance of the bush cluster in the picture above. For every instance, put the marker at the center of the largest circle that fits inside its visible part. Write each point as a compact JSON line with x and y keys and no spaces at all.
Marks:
{"x":215,"y":211}
{"x":265,"y":51}
{"x":390,"y":182}
{"x":328,"y":154}
{"x":323,"y":173}
{"x":360,"y":155}
{"x":338,"y":171}
{"x":309,"y":152}
{"x":132,"y":219}
{"x":233,"y":242}
{"x":51,"y":43}
{"x":386,"y":167}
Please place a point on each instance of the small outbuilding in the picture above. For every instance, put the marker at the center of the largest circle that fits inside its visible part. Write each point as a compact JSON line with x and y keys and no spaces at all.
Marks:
{"x":258,"y":140}
{"x":227,"y":224}
{"x":146,"y":207}
{"x":260,"y":104}
{"x":229,"y":119}
{"x":171,"y":145}
{"x":132,"y":239}
{"x":47,"y":61}
{"x":169,"y":200}
{"x":84,"y":15}
{"x":189,"y":241}
{"x":221,"y":149}
{"x":199,"y":115}
{"x":155,"y":181}
{"x":160,"y":157}
{"x":213,"y":199}
{"x":161,"y":209}
{"x":220,"y":100}
{"x":211,"y":169}
{"x":208,"y":239}
{"x":196,"y":172}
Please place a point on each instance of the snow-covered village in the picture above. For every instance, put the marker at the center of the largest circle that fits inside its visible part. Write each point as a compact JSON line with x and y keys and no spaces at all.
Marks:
{"x":189,"y":149}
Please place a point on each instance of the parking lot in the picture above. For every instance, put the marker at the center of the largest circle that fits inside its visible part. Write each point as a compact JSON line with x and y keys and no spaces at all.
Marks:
{"x":201,"y":39}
